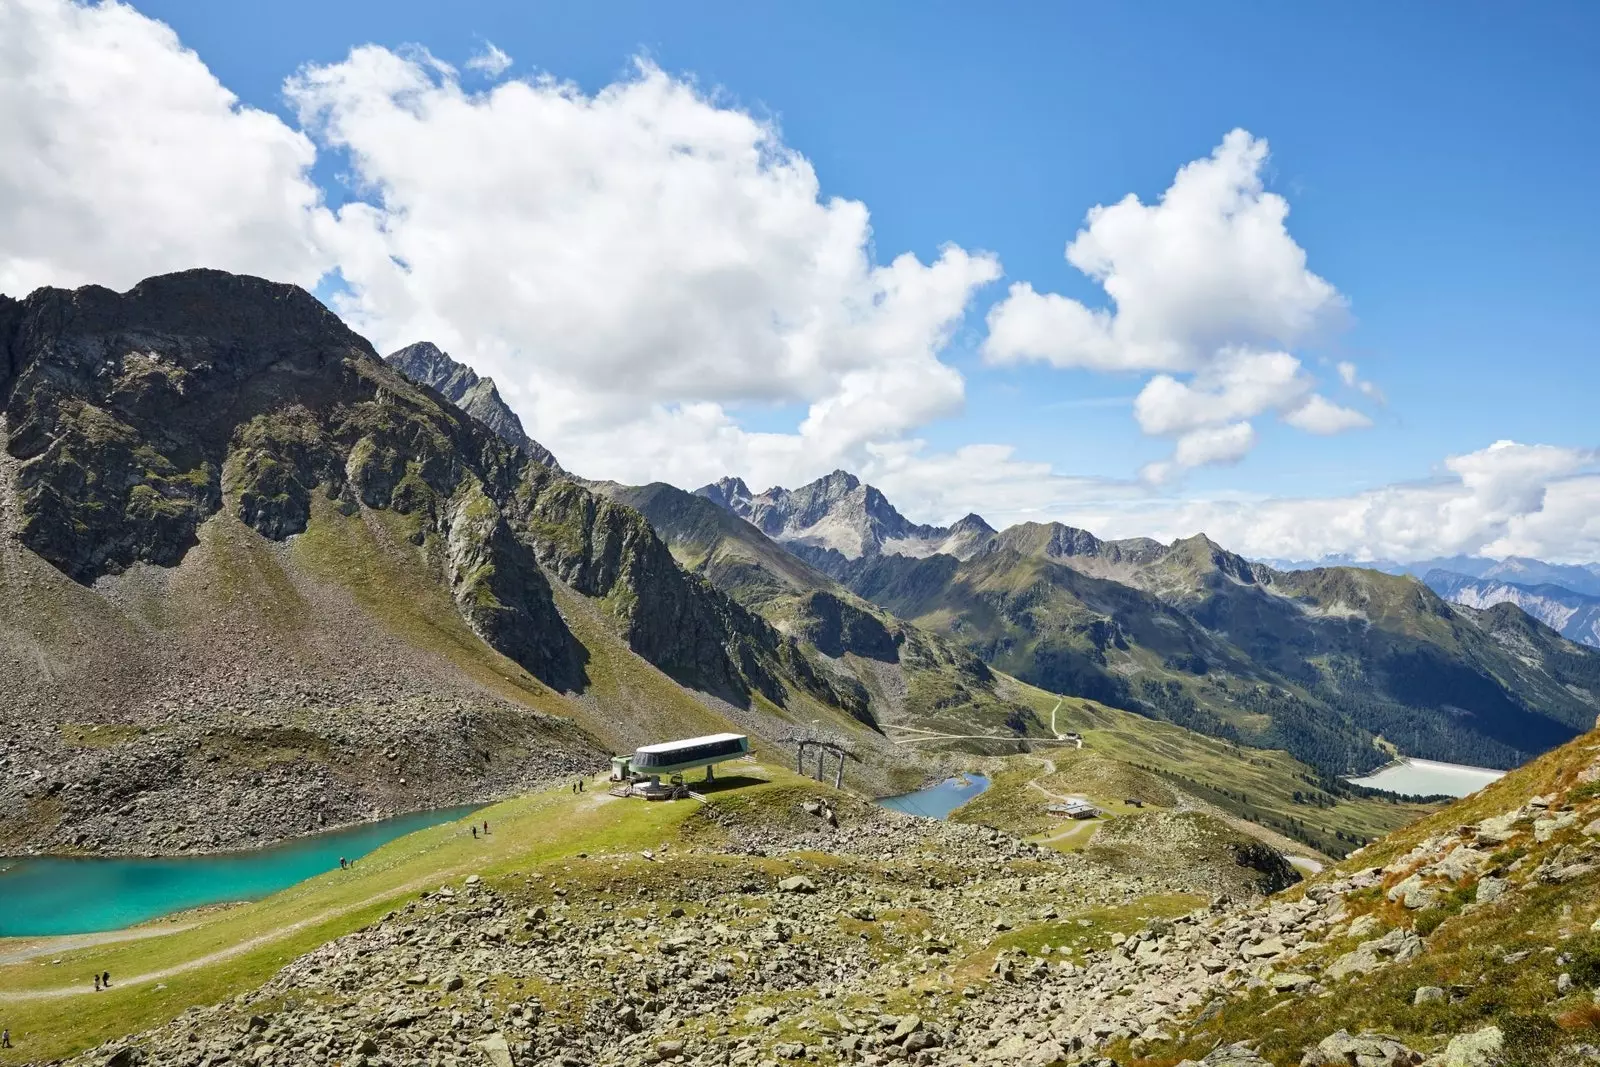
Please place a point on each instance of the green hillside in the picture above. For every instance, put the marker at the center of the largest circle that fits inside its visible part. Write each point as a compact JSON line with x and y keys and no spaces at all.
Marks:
{"x":1321,"y":663}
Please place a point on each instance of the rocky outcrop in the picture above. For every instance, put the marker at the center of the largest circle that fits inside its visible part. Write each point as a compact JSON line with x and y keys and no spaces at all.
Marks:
{"x":207,"y":416}
{"x":839,"y":515}
{"x":425,"y":364}
{"x":137,"y":415}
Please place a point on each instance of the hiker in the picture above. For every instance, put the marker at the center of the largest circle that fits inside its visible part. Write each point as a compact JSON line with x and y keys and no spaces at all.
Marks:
{"x":474,"y":832}
{"x":344,"y":864}
{"x":580,"y":785}
{"x":486,"y":826}
{"x":574,"y":787}
{"x":105,"y":979}
{"x":5,"y":1038}
{"x":97,"y":983}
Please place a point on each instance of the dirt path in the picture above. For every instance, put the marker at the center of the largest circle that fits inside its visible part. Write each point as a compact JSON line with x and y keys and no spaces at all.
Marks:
{"x":594,"y":799}
{"x":34,"y":947}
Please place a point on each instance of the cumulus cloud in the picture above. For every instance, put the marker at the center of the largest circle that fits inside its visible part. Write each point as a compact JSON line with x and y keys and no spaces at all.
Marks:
{"x":1319,"y":415}
{"x":1210,"y":266}
{"x":122,"y":156}
{"x":1205,"y":282}
{"x":638,"y":262}
{"x":490,"y":62}
{"x":1508,"y":498}
{"x":645,"y":266}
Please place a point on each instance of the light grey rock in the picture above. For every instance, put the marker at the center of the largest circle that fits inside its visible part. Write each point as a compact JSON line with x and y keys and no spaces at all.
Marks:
{"x":1481,"y":1048}
{"x":1344,"y":1049}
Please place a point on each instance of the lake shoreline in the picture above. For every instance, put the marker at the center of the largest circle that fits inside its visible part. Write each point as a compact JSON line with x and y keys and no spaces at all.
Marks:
{"x":221,"y":853}
{"x":54,"y":896}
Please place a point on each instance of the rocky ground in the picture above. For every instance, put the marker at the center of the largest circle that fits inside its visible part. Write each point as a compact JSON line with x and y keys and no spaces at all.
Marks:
{"x":818,"y":930}
{"x":159,"y":713}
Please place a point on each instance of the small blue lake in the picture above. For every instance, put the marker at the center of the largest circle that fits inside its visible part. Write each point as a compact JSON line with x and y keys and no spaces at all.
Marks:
{"x":70,"y":895}
{"x":938,"y":801}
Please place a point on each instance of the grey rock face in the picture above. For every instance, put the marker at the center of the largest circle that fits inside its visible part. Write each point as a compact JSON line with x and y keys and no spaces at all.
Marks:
{"x":839,"y":515}
{"x":425,"y":364}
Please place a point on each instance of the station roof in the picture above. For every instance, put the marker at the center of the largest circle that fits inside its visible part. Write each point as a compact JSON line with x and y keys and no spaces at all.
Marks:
{"x":688,"y":742}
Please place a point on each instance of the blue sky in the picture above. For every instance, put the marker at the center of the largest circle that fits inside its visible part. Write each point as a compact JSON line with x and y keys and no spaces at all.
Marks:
{"x":1438,"y":161}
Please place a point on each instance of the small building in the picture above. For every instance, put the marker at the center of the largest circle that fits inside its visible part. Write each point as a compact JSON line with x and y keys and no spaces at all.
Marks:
{"x":1074,"y":809}
{"x":675,"y":757}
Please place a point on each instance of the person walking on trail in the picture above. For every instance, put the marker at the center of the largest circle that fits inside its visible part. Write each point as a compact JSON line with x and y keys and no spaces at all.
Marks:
{"x":344,"y":864}
{"x":486,"y":826}
{"x":97,"y":983}
{"x":474,"y":831}
{"x":105,"y":979}
{"x":5,"y":1038}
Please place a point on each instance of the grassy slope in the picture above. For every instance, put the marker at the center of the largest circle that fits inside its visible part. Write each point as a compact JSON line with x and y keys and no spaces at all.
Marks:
{"x":1468,"y":949}
{"x":940,"y":685}
{"x":1318,"y":662}
{"x":526,"y":831}
{"x":1254,"y":784}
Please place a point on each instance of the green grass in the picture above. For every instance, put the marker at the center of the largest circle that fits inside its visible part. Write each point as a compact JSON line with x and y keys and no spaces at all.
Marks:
{"x":541,"y":831}
{"x":1254,"y":784}
{"x":98,"y":734}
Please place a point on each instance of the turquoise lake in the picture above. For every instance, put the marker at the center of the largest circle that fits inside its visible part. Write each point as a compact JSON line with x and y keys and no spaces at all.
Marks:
{"x":938,"y":801}
{"x":70,"y":895}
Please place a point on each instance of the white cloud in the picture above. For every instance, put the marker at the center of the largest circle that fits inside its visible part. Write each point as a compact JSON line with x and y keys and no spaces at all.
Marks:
{"x":1353,"y":380}
{"x":121,"y":156}
{"x":1203,"y":282}
{"x":1505,"y":499}
{"x":1208,"y":267}
{"x":630,"y":265}
{"x":1319,"y":415}
{"x":490,"y":62}
{"x":1237,"y":385}
{"x":1508,"y":498}
{"x":1215,"y":444}
{"x":642,"y":266}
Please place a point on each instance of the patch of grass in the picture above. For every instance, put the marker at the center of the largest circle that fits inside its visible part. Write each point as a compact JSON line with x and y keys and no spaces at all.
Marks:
{"x":232,"y":951}
{"x":1259,"y":785}
{"x":99,"y":734}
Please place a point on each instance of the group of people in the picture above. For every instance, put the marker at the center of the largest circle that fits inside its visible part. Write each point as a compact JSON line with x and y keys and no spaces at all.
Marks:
{"x":577,"y":786}
{"x":485,"y":829}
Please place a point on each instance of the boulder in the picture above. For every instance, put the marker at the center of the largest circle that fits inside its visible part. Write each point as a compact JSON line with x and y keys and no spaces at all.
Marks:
{"x":495,"y":1050}
{"x":797,"y":883}
{"x":1481,"y":1048}
{"x":1344,"y":1049}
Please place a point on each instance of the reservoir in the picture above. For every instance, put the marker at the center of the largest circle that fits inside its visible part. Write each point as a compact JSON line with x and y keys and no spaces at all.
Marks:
{"x":71,"y":895}
{"x":938,"y":801}
{"x":1422,"y":777}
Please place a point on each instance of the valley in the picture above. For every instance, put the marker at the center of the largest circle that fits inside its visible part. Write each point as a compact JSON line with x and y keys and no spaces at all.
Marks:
{"x":257,"y":583}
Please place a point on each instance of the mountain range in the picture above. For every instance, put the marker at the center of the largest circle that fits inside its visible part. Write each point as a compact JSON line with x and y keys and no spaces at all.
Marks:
{"x":217,"y":486}
{"x":1575,"y":615}
{"x":1524,"y":570}
{"x":1338,"y":665}
{"x":256,"y":580}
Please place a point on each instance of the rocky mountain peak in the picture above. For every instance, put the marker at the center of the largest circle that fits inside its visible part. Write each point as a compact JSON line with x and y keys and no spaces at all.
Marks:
{"x":726,"y":493}
{"x":427,"y":364}
{"x":839,"y":514}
